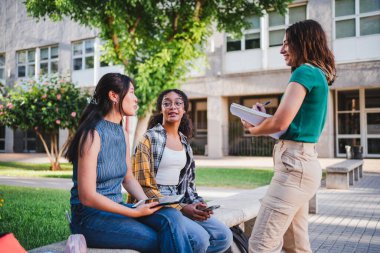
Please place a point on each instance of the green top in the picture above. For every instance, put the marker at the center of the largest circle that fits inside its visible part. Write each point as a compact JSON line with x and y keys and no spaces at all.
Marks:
{"x":310,"y":119}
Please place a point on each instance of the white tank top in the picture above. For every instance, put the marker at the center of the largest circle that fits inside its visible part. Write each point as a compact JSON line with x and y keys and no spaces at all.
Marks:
{"x":171,"y":164}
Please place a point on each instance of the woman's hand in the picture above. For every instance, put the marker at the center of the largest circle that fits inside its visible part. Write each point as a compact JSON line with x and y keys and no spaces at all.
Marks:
{"x":194,"y":212}
{"x":259,"y":107}
{"x":147,"y":209}
{"x":247,"y":126}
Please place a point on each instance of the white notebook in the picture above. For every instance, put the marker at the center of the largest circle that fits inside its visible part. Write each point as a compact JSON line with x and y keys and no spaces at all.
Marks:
{"x":252,"y":116}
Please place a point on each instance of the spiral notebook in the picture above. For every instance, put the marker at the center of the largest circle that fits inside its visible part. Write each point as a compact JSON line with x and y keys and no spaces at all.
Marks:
{"x":253,"y":117}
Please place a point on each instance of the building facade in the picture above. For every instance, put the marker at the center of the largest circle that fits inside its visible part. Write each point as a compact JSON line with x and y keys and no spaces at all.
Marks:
{"x":242,"y":70}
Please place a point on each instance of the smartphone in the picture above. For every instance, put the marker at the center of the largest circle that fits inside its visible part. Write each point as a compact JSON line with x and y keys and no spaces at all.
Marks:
{"x":210,"y":208}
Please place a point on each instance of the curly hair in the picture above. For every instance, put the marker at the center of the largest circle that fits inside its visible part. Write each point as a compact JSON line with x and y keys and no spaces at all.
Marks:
{"x":186,"y":125}
{"x":307,"y":42}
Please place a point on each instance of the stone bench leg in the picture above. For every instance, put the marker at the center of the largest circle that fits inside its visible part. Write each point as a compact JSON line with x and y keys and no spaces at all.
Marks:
{"x":356,"y":174}
{"x":351,"y":175}
{"x":313,"y":205}
{"x":337,"y":180}
{"x":361,"y":171}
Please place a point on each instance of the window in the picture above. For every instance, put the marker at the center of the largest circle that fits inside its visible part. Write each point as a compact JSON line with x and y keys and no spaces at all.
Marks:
{"x":278,"y":23}
{"x":356,"y":18}
{"x":199,"y":116}
{"x":49,"y":60}
{"x":2,"y":66}
{"x":83,"y":54}
{"x":250,"y":39}
{"x":26,"y":63}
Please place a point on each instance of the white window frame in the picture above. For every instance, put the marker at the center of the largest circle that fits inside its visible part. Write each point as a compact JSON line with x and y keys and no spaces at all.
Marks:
{"x":356,"y":17}
{"x":363,"y":136}
{"x":2,"y":67}
{"x":84,"y":55}
{"x":287,"y":21}
{"x":49,"y":60}
{"x":242,"y":39}
{"x":27,"y":63}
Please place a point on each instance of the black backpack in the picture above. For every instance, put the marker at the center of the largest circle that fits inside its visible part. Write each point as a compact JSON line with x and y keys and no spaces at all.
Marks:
{"x":240,"y":240}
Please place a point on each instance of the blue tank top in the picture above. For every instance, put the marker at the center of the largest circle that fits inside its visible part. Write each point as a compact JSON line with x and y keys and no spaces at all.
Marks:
{"x":111,"y":166}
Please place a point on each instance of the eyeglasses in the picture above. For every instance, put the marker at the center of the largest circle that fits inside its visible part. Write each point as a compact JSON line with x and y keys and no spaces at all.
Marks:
{"x":168,"y":104}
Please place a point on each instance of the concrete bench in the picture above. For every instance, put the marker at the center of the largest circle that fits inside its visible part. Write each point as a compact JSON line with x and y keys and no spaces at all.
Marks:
{"x":343,"y":174}
{"x":240,"y":209}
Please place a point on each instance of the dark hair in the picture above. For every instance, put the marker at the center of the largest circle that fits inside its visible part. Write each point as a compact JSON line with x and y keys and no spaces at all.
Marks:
{"x":307,"y":42}
{"x":99,"y":106}
{"x":186,"y":126}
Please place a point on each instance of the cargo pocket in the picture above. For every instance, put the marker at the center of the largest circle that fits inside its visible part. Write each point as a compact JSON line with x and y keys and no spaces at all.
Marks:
{"x":270,"y":227}
{"x":293,"y":165}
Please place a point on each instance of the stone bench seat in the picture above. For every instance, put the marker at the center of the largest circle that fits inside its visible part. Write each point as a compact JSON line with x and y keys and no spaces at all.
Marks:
{"x":343,"y":174}
{"x":240,"y":209}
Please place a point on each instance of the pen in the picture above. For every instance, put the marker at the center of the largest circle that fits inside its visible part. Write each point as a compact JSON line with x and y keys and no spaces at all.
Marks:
{"x":266,"y":103}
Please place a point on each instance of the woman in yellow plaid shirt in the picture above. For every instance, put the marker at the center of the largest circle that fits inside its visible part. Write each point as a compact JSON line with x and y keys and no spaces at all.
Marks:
{"x":163,"y":164}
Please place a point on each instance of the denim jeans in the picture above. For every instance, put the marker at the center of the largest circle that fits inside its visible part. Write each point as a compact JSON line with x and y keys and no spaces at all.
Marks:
{"x":163,"y":231}
{"x":211,"y":235}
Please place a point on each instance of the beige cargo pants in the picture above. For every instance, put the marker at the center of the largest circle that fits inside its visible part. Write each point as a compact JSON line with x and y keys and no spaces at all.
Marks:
{"x":282,"y":222}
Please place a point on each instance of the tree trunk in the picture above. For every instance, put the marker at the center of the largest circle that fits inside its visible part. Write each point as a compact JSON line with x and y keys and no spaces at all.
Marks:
{"x":141,"y":127}
{"x":55,"y":166}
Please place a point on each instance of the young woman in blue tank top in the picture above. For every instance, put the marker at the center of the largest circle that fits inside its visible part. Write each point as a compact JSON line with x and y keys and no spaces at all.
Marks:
{"x":282,"y":222}
{"x":101,"y":162}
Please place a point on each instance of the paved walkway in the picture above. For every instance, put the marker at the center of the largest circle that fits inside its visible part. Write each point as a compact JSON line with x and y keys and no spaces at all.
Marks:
{"x":348,"y":220}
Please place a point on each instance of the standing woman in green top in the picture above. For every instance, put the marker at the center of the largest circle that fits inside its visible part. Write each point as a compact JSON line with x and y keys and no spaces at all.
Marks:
{"x":282,"y":219}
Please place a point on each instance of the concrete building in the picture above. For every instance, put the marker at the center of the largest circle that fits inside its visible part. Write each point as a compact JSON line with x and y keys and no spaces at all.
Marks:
{"x":242,"y":70}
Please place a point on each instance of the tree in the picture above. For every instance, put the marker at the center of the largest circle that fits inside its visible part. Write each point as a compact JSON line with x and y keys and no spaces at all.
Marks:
{"x":45,"y":105}
{"x":156,"y":41}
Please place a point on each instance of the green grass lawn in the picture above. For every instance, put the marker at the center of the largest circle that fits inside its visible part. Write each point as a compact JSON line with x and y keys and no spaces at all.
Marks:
{"x":215,"y":177}
{"x":34,"y":170}
{"x":36,"y":216}
{"x":234,"y":178}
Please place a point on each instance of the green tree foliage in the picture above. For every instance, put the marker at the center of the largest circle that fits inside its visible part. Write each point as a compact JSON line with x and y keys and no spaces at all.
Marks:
{"x":156,"y":41}
{"x":45,"y":105}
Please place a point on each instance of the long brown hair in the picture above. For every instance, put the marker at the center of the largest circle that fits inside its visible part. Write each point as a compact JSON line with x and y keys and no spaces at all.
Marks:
{"x":307,"y":42}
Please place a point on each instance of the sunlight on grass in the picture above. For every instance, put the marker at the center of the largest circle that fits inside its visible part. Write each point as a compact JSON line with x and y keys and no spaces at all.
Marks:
{"x":35,"y":216}
{"x":34,"y":170}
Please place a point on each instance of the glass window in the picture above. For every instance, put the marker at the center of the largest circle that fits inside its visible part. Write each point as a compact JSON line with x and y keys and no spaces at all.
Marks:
{"x":21,"y":57}
{"x":233,"y":44}
{"x":54,"y":52}
{"x":77,"y":64}
{"x":373,"y":123}
{"x":348,"y":100}
{"x":373,"y":146}
{"x":21,"y":71}
{"x":370,"y":25}
{"x":31,"y":56}
{"x":89,"y":64}
{"x":252,"y":40}
{"x":276,"y":19}
{"x":297,"y":14}
{"x":44,"y":69}
{"x":345,"y":28}
{"x":372,"y":98}
{"x":83,"y":59}
{"x":276,"y":37}
{"x":44,"y":54}
{"x":31,"y":70}
{"x":349,"y":123}
{"x":254,"y":22}
{"x":347,"y":141}
{"x":344,"y":7}
{"x":77,"y":48}
{"x":369,"y":5}
{"x":89,"y":45}
{"x":54,"y":67}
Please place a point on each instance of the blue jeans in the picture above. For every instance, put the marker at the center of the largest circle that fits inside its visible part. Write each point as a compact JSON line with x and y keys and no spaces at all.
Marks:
{"x":163,"y":231}
{"x":211,"y":235}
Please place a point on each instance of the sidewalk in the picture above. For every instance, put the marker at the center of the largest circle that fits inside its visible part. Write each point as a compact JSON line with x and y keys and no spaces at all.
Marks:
{"x":370,"y":165}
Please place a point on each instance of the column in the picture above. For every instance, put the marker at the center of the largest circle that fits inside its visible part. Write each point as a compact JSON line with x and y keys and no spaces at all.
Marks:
{"x":217,"y":126}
